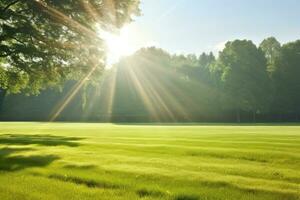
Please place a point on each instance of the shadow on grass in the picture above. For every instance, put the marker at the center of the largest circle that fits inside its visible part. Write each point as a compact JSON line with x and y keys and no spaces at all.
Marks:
{"x":80,"y":167}
{"x":143,"y":193}
{"x":83,"y":181}
{"x":13,"y":158}
{"x":43,"y":140}
{"x":10,"y":162}
{"x":186,"y":197}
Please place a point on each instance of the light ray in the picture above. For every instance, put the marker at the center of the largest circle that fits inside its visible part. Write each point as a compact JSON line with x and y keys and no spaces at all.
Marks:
{"x":171,"y":98}
{"x":158,"y":89}
{"x":110,"y":95}
{"x":78,"y":27}
{"x":71,"y":95}
{"x":154,"y":95}
{"x":143,"y":94}
{"x":65,"y":20}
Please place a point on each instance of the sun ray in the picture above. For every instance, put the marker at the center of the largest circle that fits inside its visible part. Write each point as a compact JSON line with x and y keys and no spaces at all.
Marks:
{"x":155,"y":95}
{"x":110,"y":94}
{"x":68,"y":98}
{"x":157,"y":90}
{"x":65,"y":20}
{"x":78,"y":27}
{"x":140,"y":88}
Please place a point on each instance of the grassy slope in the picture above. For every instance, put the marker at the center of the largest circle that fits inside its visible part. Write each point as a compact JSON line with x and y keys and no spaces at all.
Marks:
{"x":94,"y":161}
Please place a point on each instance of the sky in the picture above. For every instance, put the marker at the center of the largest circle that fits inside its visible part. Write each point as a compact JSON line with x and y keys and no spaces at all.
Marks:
{"x":196,"y":26}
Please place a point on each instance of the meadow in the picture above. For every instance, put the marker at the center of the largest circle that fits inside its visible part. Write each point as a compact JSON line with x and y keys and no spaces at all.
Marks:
{"x":167,"y":162}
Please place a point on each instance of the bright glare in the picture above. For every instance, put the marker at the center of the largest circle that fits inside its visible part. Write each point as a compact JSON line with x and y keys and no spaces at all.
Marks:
{"x":118,"y":45}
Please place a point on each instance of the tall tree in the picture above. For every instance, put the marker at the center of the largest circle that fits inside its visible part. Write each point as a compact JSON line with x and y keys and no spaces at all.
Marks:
{"x":286,"y":79}
{"x":271,"y":48}
{"x":244,"y":76}
{"x":44,"y":42}
{"x":205,"y":60}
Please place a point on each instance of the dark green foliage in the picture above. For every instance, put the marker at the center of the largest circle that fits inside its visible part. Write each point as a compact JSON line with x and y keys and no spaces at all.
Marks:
{"x":153,"y":85}
{"x":271,"y":48}
{"x":244,"y":77}
{"x":43,"y":43}
{"x":23,"y":107}
{"x":286,"y":80}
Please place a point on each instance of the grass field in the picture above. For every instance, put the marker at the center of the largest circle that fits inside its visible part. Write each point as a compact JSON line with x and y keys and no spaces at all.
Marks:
{"x":106,"y":161}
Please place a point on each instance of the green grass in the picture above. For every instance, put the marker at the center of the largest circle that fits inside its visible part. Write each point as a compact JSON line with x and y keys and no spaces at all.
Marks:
{"x":105,"y":161}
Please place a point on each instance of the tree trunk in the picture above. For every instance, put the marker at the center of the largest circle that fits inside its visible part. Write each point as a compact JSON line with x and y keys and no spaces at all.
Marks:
{"x":279,"y":116}
{"x":254,"y":116}
{"x":2,"y":96}
{"x":238,"y":116}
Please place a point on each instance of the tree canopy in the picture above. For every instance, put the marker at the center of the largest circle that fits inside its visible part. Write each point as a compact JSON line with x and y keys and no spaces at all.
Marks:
{"x":154,"y":85}
{"x":286,"y":78}
{"x":45,"y":42}
{"x":244,"y":76}
{"x":271,"y":48}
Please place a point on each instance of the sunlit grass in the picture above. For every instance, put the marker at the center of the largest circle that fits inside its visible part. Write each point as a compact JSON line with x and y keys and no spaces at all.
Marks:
{"x":105,"y":161}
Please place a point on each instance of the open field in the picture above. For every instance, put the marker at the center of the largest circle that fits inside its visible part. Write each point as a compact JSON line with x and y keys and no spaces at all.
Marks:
{"x":106,"y":161}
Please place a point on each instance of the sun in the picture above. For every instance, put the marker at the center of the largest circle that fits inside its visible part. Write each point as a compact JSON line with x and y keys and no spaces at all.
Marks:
{"x":118,"y":45}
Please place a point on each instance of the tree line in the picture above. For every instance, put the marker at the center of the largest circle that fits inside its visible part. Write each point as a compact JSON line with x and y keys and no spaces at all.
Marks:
{"x":243,"y":83}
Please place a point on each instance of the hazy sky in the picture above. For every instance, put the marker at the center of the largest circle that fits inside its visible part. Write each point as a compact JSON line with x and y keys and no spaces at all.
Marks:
{"x":194,"y":26}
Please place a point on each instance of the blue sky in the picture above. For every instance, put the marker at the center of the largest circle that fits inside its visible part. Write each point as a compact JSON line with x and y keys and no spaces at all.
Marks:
{"x":194,"y":26}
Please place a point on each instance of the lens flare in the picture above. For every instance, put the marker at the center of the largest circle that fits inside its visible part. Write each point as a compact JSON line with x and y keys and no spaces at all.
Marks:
{"x":118,"y":44}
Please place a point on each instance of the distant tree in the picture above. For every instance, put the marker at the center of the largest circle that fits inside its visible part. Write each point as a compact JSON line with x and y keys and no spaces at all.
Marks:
{"x":286,"y":79}
{"x":271,"y":48}
{"x":205,"y":60}
{"x":197,"y":69}
{"x":44,"y":42}
{"x":203,"y":69}
{"x":244,"y":76}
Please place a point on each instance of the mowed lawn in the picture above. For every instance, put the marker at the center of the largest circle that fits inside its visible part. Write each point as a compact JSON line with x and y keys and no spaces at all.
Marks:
{"x":105,"y":161}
